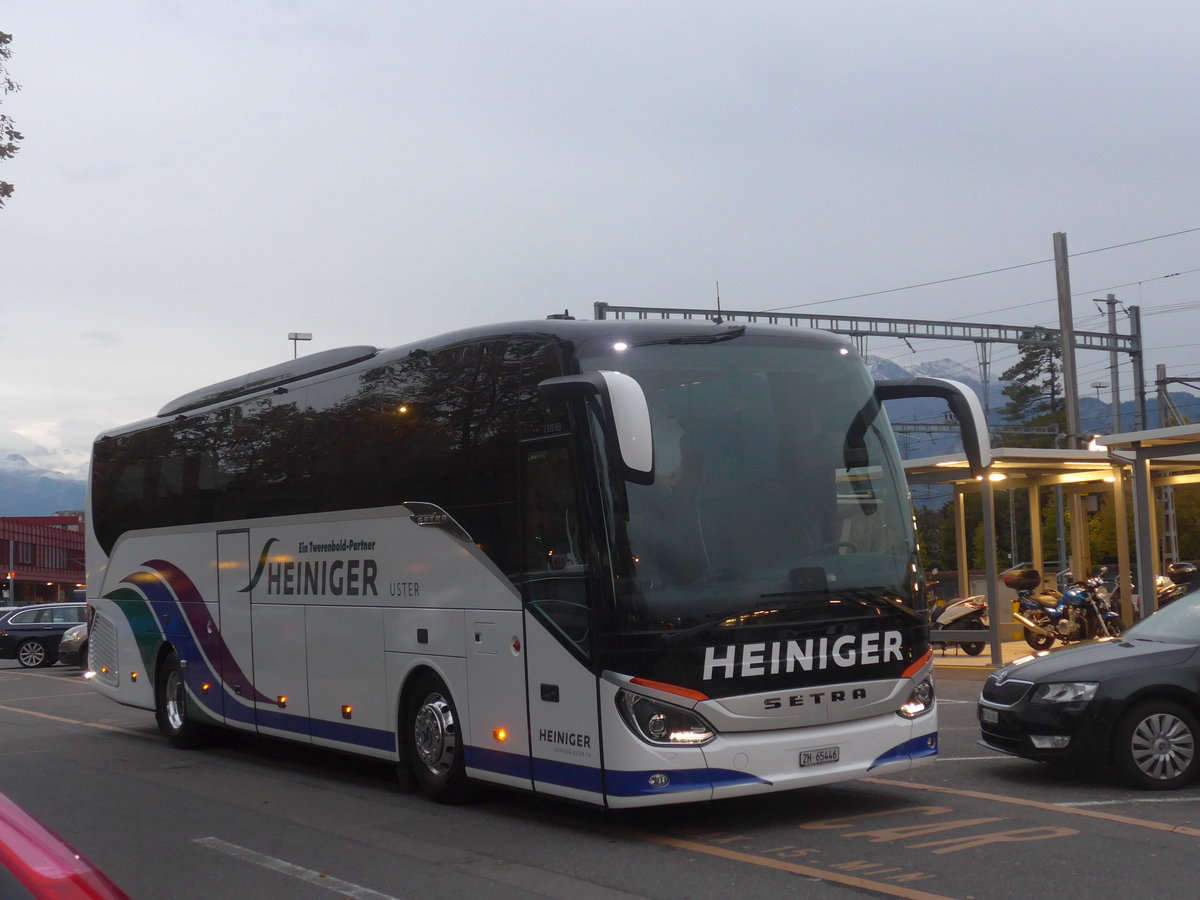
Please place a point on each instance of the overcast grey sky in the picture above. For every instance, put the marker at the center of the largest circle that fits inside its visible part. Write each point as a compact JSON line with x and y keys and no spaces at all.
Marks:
{"x":198,"y":178}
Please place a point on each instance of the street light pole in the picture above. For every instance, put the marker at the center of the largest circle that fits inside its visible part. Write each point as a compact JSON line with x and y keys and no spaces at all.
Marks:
{"x":295,"y":337}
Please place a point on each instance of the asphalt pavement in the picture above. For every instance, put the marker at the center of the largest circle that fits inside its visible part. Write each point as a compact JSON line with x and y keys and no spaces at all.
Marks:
{"x":953,"y":657}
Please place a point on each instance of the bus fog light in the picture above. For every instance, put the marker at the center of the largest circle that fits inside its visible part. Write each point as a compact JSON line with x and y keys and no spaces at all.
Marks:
{"x":663,"y":724}
{"x":1050,"y":741}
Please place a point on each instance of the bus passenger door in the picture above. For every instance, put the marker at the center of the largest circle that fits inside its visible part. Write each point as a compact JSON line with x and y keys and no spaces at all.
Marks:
{"x":235,"y":665}
{"x":556,"y":589}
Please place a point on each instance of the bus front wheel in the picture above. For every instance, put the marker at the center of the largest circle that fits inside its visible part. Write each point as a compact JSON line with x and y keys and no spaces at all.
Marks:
{"x":171,"y":706}
{"x":434,"y":741}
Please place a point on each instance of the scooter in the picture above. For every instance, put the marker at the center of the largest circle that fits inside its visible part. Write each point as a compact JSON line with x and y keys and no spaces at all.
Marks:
{"x":968,"y":614}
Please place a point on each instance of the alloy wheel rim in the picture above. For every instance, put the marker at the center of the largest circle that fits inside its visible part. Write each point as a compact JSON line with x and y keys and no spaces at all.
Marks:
{"x":434,"y":734}
{"x":175,"y":701}
{"x":1163,"y":746}
{"x":32,"y":654}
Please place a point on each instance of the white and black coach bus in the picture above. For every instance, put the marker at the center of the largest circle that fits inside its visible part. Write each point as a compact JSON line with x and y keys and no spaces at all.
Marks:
{"x":622,"y":562}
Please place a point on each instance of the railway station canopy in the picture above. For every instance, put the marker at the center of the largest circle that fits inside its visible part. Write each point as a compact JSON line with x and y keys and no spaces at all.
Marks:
{"x":1146,"y":459}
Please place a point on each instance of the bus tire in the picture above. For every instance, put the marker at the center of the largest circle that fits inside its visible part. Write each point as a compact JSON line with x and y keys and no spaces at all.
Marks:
{"x":171,"y":705}
{"x":433,"y":741}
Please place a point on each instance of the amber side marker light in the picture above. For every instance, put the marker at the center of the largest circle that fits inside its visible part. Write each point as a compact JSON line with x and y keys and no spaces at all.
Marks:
{"x":282,"y":701}
{"x":205,"y":688}
{"x":500,"y":734}
{"x":347,"y":712}
{"x":133,"y":676}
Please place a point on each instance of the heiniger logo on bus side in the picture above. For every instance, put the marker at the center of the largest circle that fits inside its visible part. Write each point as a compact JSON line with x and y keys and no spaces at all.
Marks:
{"x":813,"y":654}
{"x":347,"y":574}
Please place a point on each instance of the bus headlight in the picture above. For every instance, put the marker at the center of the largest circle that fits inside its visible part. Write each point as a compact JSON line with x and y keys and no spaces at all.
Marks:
{"x":661,"y":723}
{"x":920,"y":701}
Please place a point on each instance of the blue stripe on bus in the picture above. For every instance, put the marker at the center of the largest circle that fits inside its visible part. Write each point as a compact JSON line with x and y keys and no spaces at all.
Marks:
{"x":637,"y":784}
{"x":917,"y":748}
{"x":581,"y":778}
{"x":375,"y":738}
{"x":342,"y":732}
{"x":512,"y":764}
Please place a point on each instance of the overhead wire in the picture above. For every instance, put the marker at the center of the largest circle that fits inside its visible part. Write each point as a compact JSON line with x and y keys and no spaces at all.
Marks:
{"x":995,"y":271}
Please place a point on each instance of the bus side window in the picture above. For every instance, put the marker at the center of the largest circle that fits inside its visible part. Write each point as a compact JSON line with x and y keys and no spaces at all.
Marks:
{"x":555,"y":576}
{"x":549,"y":512}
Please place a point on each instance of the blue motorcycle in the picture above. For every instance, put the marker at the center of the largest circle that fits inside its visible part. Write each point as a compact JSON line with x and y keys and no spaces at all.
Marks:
{"x":1084,"y":611}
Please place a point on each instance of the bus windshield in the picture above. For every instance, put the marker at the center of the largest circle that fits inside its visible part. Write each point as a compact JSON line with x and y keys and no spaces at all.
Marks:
{"x":777,"y":491}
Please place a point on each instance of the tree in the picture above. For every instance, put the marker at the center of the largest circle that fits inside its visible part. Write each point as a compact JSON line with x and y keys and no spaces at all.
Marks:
{"x":9,"y":136}
{"x":1033,"y":389}
{"x":1032,"y":383}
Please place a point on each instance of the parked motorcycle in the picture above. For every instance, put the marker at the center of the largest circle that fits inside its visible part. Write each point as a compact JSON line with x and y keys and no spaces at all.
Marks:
{"x":1083,"y":611}
{"x":1181,"y":576}
{"x":968,"y":614}
{"x":1180,"y":579}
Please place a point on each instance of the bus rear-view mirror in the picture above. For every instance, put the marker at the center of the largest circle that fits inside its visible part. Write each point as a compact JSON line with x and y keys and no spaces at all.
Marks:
{"x":626,"y":415}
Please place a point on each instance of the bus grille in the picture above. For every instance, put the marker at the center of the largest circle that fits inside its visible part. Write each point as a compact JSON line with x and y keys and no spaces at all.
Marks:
{"x":102,"y":650}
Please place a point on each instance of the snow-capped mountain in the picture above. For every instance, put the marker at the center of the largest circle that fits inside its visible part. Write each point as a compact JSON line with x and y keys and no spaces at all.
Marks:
{"x":1095,"y":415}
{"x":26,"y":490}
{"x":938,"y":368}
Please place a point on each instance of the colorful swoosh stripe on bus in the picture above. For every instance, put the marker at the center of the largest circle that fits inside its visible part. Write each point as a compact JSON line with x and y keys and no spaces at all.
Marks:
{"x":262,"y":564}
{"x":166,"y":591}
{"x":202,"y":631}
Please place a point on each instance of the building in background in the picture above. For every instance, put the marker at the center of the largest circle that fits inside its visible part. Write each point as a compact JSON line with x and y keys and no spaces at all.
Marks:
{"x":41,"y":558}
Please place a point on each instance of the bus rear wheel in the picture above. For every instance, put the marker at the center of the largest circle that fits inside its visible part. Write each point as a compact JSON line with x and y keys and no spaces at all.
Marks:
{"x":171,"y":706}
{"x":433,"y":741}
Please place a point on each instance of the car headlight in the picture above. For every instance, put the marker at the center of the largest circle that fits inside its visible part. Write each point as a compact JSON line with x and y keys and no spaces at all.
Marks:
{"x":1065,"y":692}
{"x":663,"y":724}
{"x":920,"y":701}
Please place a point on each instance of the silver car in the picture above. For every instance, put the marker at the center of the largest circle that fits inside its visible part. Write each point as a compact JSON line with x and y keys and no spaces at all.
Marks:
{"x":72,"y":649}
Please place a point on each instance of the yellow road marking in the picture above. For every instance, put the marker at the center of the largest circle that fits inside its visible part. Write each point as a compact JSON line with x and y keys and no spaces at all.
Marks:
{"x":65,"y":721}
{"x":48,"y":696}
{"x":865,"y":884}
{"x":897,"y":890}
{"x":1038,"y":804}
{"x":22,"y":673}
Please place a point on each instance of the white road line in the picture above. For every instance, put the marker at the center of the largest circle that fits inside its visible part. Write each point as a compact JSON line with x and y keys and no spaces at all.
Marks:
{"x":942,"y":759}
{"x":345,"y":888}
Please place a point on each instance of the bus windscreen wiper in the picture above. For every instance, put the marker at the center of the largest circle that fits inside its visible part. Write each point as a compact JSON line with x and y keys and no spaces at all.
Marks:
{"x":879,"y":597}
{"x":706,"y":337}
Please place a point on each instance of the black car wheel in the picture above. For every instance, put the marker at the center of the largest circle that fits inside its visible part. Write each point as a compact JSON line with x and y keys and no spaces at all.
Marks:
{"x":434,"y":741}
{"x":32,"y":654}
{"x":1155,"y":745}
